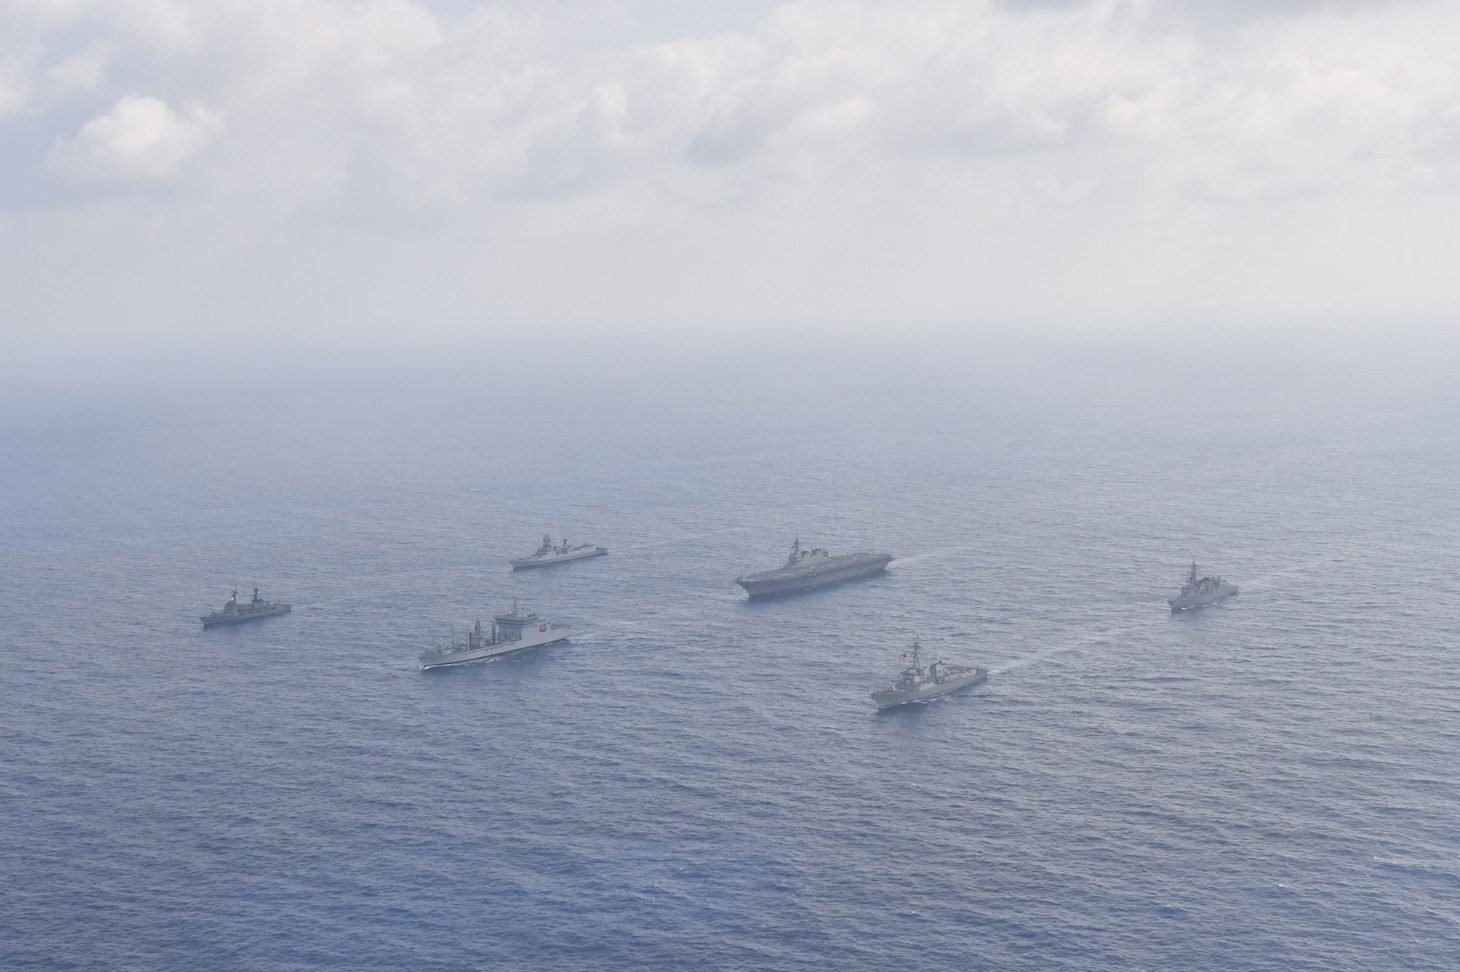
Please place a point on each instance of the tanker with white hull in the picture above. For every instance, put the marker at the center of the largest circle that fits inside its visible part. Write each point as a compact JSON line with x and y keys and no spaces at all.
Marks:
{"x":808,"y":569}
{"x":551,"y":553}
{"x":918,"y":683}
{"x":509,"y":634}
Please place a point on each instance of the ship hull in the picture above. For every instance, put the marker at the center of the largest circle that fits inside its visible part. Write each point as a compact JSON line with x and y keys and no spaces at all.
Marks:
{"x":1179,"y":604}
{"x":891,"y":698}
{"x":223,"y":620}
{"x":527,"y":562}
{"x":776,"y":583}
{"x":529,"y":640}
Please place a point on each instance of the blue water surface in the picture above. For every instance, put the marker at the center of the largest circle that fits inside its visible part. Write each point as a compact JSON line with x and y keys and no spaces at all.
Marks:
{"x":697,"y":781}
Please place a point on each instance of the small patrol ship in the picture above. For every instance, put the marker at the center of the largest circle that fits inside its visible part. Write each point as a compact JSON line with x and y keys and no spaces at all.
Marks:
{"x":549,"y":553}
{"x":510,"y":633}
{"x":807,"y":569}
{"x":235,"y":613}
{"x":918,"y":683}
{"x":1200,"y":591}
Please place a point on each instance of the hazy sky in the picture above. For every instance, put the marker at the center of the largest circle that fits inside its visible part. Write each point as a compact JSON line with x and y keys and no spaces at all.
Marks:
{"x":385,"y":172}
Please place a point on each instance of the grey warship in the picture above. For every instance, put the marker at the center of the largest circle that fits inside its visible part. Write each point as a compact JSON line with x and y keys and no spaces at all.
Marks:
{"x":808,"y":569}
{"x":235,"y":613}
{"x":550,"y":553}
{"x":918,"y":683}
{"x":1200,"y":591}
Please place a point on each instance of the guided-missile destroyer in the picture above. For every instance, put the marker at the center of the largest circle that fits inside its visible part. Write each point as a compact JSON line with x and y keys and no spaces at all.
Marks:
{"x":551,"y":553}
{"x":235,"y":613}
{"x":1200,"y":591}
{"x":919,"y":683}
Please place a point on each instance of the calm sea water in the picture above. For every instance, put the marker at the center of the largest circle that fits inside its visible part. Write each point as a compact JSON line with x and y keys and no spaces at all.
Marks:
{"x":694,"y":780}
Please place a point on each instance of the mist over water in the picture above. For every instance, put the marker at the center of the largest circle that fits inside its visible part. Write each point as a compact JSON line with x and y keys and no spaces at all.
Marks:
{"x":694,"y":779}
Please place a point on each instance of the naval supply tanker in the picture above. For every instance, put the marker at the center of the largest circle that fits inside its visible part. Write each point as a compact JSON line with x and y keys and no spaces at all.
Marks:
{"x":509,"y":634}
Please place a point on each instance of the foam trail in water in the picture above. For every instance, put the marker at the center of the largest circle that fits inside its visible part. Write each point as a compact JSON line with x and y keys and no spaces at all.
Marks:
{"x":929,"y":555}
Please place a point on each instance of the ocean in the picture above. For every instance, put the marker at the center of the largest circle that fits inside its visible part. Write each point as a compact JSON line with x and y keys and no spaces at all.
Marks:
{"x":694,"y":780}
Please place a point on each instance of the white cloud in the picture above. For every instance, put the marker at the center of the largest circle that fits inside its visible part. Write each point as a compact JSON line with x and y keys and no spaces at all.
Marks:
{"x":837,"y":159}
{"x":140,"y":138}
{"x":388,"y":96}
{"x":12,"y":91}
{"x":81,"y":72}
{"x":43,"y":10}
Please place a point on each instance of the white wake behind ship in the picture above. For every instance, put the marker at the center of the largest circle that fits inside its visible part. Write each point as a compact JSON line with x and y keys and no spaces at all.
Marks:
{"x":551,"y":553}
{"x":509,"y":634}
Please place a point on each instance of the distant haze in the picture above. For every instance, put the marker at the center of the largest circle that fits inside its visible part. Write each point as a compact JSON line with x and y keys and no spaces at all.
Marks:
{"x":384,"y":174}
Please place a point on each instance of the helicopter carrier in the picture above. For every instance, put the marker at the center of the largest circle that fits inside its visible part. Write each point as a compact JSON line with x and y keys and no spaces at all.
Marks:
{"x":805,"y":570}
